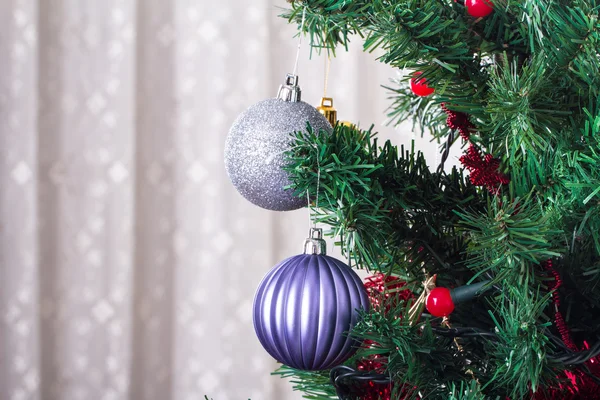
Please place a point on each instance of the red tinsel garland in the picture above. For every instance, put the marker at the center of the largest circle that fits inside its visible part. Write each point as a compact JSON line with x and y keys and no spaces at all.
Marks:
{"x":575,"y":384}
{"x":370,"y":390}
{"x":559,"y":321}
{"x":483,"y":169}
{"x":385,"y":292}
{"x":458,"y":121}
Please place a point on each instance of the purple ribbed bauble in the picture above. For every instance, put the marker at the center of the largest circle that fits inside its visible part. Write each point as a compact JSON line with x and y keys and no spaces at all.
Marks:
{"x":305,"y":307}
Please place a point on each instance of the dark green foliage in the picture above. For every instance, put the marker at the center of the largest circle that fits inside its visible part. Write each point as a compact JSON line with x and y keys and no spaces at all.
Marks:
{"x":529,"y":77}
{"x":510,"y":240}
{"x":519,"y":355}
{"x":314,"y":384}
{"x":385,"y":206}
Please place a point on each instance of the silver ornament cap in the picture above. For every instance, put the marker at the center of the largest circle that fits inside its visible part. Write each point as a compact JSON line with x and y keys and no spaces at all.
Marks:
{"x":315,"y":244}
{"x":256,"y":145}
{"x":290,"y":91}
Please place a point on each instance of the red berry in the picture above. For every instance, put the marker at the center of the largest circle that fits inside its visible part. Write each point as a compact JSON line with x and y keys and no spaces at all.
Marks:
{"x":419,"y":85}
{"x":439,"y":302}
{"x":479,"y":8}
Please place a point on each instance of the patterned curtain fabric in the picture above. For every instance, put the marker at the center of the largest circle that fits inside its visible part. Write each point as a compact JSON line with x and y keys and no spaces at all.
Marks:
{"x":128,"y":262}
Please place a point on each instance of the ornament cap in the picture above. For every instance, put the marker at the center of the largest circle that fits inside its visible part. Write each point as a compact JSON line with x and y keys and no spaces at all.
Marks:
{"x":290,"y":91}
{"x":326,"y":108}
{"x":315,"y":244}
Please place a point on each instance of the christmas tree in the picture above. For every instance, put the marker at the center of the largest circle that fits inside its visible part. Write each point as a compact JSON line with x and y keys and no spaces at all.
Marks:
{"x":514,"y":232}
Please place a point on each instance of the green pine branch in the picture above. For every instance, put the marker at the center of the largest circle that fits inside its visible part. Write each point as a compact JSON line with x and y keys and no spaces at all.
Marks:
{"x":528,"y":76}
{"x":510,"y":240}
{"x":382,"y":203}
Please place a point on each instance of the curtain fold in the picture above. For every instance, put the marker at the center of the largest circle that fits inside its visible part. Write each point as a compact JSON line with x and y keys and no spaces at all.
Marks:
{"x":156,"y":262}
{"x":19,"y":299}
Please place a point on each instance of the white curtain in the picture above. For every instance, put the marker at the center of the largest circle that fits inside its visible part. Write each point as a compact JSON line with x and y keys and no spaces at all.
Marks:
{"x":128,"y":262}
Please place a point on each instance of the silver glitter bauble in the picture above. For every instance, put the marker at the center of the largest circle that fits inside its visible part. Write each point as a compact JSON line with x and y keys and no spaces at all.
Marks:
{"x":257,"y":141}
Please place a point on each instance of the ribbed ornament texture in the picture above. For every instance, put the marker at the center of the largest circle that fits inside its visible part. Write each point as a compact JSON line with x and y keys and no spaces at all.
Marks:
{"x":304,"y":308}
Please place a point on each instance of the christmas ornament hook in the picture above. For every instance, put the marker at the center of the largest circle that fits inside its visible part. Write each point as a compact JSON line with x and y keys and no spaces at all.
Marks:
{"x":326,"y":108}
{"x":315,"y":244}
{"x":290,"y":91}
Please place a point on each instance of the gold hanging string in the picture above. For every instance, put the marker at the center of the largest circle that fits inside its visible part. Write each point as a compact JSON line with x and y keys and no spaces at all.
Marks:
{"x":326,"y":106}
{"x":327,"y":68}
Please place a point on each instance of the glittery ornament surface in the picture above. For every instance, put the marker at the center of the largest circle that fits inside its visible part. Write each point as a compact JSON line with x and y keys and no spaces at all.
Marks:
{"x":255,"y":147}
